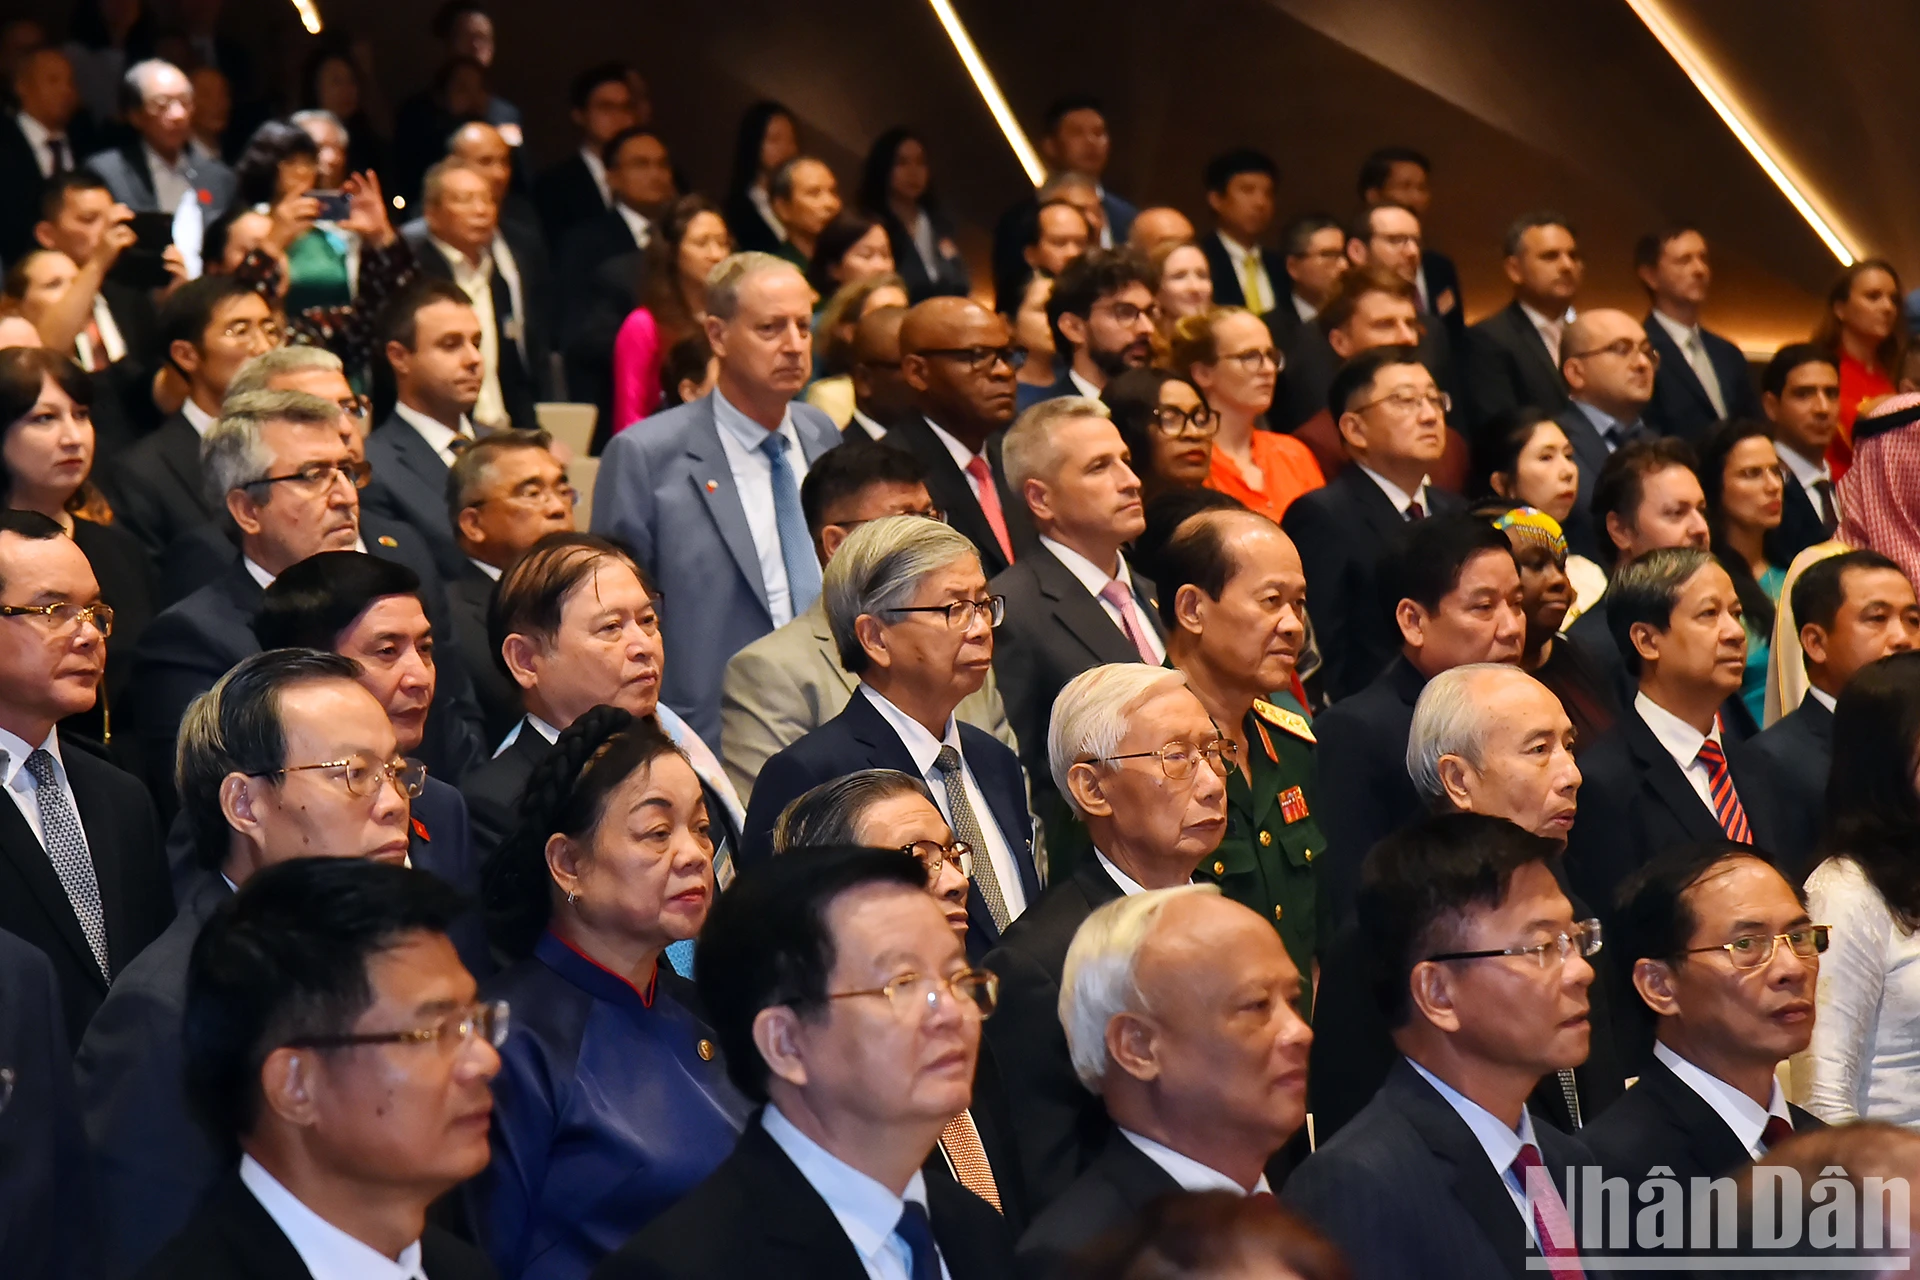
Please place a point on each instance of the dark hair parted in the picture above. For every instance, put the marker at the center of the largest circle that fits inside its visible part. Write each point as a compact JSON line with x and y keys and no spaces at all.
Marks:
{"x":1826,"y":334}
{"x":30,"y":525}
{"x":1516,"y":236}
{"x":1418,"y":884}
{"x":1714,"y":455}
{"x":1356,"y":377}
{"x":1183,"y":1235}
{"x":1095,"y":274}
{"x":1197,"y":556}
{"x":580,"y":90}
{"x":1228,"y":165}
{"x":1298,"y":233}
{"x":1622,"y":483}
{"x":1647,"y":590}
{"x":1653,"y":919}
{"x":1790,"y":357}
{"x":273,"y":144}
{"x":687,"y":361}
{"x":1060,"y":108}
{"x":1873,"y":815}
{"x":841,"y":474}
{"x":848,"y":228}
{"x":1821,"y":587}
{"x":309,"y":605}
{"x":1377,"y":168}
{"x":473,"y":463}
{"x":747,"y":142}
{"x":1166,"y":512}
{"x":610,"y":153}
{"x":876,"y":173}
{"x":24,"y":372}
{"x":1424,"y":560}
{"x":188,"y":311}
{"x":53,"y":192}
{"x":767,"y":943}
{"x":660,"y":287}
{"x":1132,"y":398}
{"x":287,"y":958}
{"x":565,"y":795}
{"x":532,"y":593}
{"x":1501,"y":440}
{"x":1648,"y":249}
{"x":399,"y":320}
{"x":828,"y":816}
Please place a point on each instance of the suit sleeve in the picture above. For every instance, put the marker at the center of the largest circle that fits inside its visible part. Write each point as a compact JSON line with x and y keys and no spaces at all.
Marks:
{"x":1022,"y":675}
{"x":1324,"y":560}
{"x":623,"y":498}
{"x":1044,"y":1096}
{"x":762,"y":712}
{"x":1350,"y":1203}
{"x":147,"y":877}
{"x":783,"y":778}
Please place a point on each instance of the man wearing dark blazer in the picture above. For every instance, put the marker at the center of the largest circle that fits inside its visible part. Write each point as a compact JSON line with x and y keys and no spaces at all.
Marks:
{"x":378,"y":935}
{"x":800,"y":1196}
{"x":639,"y":174}
{"x":1609,"y":371}
{"x":1342,"y":530}
{"x":1665,"y":774}
{"x":1240,"y":189}
{"x":36,"y":143}
{"x":46,"y":1224}
{"x":1401,"y":175}
{"x":1704,"y":378}
{"x":576,"y":190}
{"x":1800,"y":395}
{"x":1513,"y":356}
{"x":1430,"y":1179}
{"x":1315,"y":245}
{"x":156,"y":171}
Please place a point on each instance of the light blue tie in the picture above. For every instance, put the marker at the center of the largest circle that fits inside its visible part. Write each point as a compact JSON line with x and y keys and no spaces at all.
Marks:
{"x":796,"y":547}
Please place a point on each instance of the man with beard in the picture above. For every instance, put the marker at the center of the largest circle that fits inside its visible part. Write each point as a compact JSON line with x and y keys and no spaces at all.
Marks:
{"x":1102,"y":312}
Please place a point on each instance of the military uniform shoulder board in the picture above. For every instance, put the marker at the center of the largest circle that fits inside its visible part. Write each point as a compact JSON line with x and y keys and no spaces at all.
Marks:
{"x":1291,"y":721}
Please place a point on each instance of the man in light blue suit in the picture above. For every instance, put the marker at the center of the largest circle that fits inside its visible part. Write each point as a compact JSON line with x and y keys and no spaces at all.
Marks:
{"x":708,"y":494}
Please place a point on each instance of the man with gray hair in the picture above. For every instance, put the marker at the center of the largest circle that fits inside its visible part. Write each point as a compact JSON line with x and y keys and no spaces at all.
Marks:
{"x":1180,"y":1009}
{"x":1135,"y":754}
{"x":708,"y":494}
{"x":155,"y":171}
{"x":910,"y":614}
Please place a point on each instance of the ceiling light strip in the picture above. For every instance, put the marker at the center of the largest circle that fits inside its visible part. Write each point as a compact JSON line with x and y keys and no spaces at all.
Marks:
{"x":1695,"y":66}
{"x":989,"y":90}
{"x":309,"y":16}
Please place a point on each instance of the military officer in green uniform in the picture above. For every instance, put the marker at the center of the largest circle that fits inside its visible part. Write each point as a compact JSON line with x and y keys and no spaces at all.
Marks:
{"x":1232,"y":593}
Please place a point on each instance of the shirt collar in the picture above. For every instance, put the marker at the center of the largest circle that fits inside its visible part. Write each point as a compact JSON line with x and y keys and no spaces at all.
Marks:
{"x":1822,"y":697}
{"x":437,"y":434}
{"x":181,"y":168}
{"x":37,"y":134}
{"x":1682,"y":334}
{"x":1556,"y":325}
{"x":1806,"y":472}
{"x":1743,"y":1115}
{"x":1682,"y":740}
{"x":866,"y":1211}
{"x":1603,"y":422}
{"x":1499,"y":1142}
{"x":1399,"y":497}
{"x":265,"y":579}
{"x":1188,"y":1172}
{"x":747,"y":433}
{"x":638,"y":223}
{"x":1237,"y":253}
{"x":542,"y":728}
{"x":458,"y":261}
{"x":16,"y":749}
{"x":1304,"y":309}
{"x":1090,"y":575}
{"x":921,"y":745}
{"x":867,"y":424}
{"x":328,"y":1252}
{"x":597,"y":170}
{"x":1081,"y":385}
{"x":197,"y":418}
{"x":485,"y":568}
{"x":962,"y":456}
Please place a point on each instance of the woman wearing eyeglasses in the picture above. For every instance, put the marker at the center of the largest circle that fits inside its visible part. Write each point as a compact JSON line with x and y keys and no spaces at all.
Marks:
{"x":46,"y":446}
{"x":1168,"y":429}
{"x":1861,"y":1065}
{"x":1229,"y":355}
{"x":612,"y":1101}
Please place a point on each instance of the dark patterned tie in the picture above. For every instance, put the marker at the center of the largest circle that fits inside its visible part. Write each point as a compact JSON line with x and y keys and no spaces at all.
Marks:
{"x":967,"y":827}
{"x":1776,"y":1132}
{"x":67,"y":850}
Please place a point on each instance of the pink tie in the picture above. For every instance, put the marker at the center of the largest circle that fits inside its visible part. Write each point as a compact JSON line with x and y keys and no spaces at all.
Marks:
{"x":1116,"y":594}
{"x":1552,"y":1228}
{"x":989,"y":498}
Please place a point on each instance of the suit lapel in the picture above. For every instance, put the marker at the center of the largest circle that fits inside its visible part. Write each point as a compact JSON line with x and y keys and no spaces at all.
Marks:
{"x":1673,"y":360}
{"x":1475,"y":1183}
{"x":259,"y":1246}
{"x":419,"y":458}
{"x":1371,"y":502}
{"x":29,"y":857}
{"x":1079,"y":613}
{"x":1714,"y":1146}
{"x":180,"y":451}
{"x":1528,"y":343}
{"x":947,"y":485}
{"x":713,"y":479}
{"x":823,"y":636}
{"x":792,"y":1215}
{"x":1008,"y":807}
{"x":1666,"y":781}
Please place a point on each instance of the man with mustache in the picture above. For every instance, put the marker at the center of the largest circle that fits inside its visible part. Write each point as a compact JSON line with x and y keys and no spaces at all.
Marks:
{"x":1482,"y":972}
{"x":1103,"y":315}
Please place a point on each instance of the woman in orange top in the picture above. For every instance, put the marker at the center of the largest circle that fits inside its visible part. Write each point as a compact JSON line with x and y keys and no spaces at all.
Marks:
{"x":1228,"y":353}
{"x":1862,"y":327}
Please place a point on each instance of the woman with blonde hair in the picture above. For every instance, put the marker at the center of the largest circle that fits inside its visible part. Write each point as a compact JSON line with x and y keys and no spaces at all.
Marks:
{"x":1229,"y":355}
{"x":831,"y":391}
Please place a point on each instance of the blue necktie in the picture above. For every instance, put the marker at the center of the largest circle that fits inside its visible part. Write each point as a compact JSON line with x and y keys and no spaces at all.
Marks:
{"x":916,"y":1229}
{"x":796,"y":547}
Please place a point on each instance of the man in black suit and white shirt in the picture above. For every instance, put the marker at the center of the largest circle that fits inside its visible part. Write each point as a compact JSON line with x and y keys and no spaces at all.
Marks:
{"x":576,"y":190}
{"x":881,"y":394}
{"x":1513,"y":356}
{"x":1315,"y":245}
{"x":156,"y":171}
{"x":844,"y":1004}
{"x":318,"y":963}
{"x":1201,"y":1059}
{"x":46,"y":1226}
{"x":1401,"y":175}
{"x":1485,"y":996}
{"x":1800,"y":395}
{"x":1704,"y":378}
{"x":1393,"y":419}
{"x":35,"y":144}
{"x":639,"y":173}
{"x":1240,"y":187}
{"x":1609,"y":364}
{"x":82,"y":875}
{"x":1150,"y":829}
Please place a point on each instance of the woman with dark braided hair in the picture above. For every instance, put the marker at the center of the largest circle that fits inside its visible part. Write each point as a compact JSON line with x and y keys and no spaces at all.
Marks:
{"x":612,"y":1101}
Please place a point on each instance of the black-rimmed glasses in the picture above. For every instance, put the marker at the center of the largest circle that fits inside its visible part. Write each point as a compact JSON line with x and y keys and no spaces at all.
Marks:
{"x":1756,"y":950}
{"x":488,"y":1021}
{"x":981,"y":359}
{"x":1584,"y":939}
{"x":363,"y":774}
{"x":1252,"y":360}
{"x":934,"y":514}
{"x":961,"y":613}
{"x":912,"y":993}
{"x":1623,"y":349}
{"x":63,"y":617}
{"x":1406,"y":400}
{"x":1173,"y":422}
{"x":1177,"y":759}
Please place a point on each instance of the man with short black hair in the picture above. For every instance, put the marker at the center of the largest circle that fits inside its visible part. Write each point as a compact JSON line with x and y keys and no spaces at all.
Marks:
{"x":881,"y":394}
{"x":1513,"y":356}
{"x":1054,"y":233}
{"x":1103,"y":315}
{"x":1077,"y":146}
{"x":1609,"y":364}
{"x":639,"y":174}
{"x":35,"y":144}
{"x":576,"y":190}
{"x":1401,"y":175}
{"x":1389,"y":234}
{"x":1240,"y":185}
{"x":1800,"y":395}
{"x":1703,"y":378}
{"x":1369,"y":307}
{"x":1158,"y":226}
{"x":1316,"y":259}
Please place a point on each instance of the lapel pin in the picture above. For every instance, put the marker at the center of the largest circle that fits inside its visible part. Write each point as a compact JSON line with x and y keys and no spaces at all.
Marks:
{"x":713,"y":486}
{"x":386,"y":540}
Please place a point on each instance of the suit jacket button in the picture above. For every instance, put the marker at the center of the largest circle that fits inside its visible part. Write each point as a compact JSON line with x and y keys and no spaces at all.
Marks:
{"x":1276,"y":910}
{"x":1309,"y":855}
{"x":1219,"y":868}
{"x":1266,"y":838}
{"x":705,"y":1050}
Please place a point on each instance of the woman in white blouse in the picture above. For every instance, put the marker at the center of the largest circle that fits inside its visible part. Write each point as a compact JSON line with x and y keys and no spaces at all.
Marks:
{"x":1865,"y":1056}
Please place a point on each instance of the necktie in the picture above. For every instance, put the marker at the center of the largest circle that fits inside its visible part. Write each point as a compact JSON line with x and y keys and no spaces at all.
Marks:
{"x":1415,"y":511}
{"x":1552,"y":1228}
{"x":1703,"y":370}
{"x":961,"y":1141}
{"x":96,"y":353}
{"x":1776,"y":1132}
{"x":1727,"y":808}
{"x":1825,"y":505}
{"x":796,"y":548}
{"x":916,"y":1229}
{"x":67,"y":850}
{"x":967,"y":827}
{"x":988,"y":495}
{"x":1570,"y":1092}
{"x":1116,"y":594}
{"x":1256,"y":296}
{"x":62,"y":158}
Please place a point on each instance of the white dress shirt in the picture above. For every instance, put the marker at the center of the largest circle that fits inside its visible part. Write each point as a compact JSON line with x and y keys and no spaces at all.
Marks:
{"x":40,"y":141}
{"x":1694,"y":348}
{"x":438,"y":435}
{"x":1399,"y":497}
{"x":637,"y":224}
{"x":197,"y":418}
{"x":1095,"y":580}
{"x":1081,"y":385}
{"x":1239,"y":255}
{"x":1865,"y":1055}
{"x":1747,"y":1118}
{"x":475,"y":279}
{"x":1302,"y":308}
{"x":1683,"y":743}
{"x":172,"y":182}
{"x":265,"y":579}
{"x":1809,"y":473}
{"x":867,"y":424}
{"x":597,"y":170}
{"x":763,"y":205}
{"x":924,"y":748}
{"x":1499,"y":1142}
{"x":865,"y":1210}
{"x":490,"y":570}
{"x":961,"y":455}
{"x":20,"y":784}
{"x":1550,"y":330}
{"x":741,"y":439}
{"x":112,"y":345}
{"x":1188,"y":1172}
{"x":1822,"y":697}
{"x":328,"y":1252}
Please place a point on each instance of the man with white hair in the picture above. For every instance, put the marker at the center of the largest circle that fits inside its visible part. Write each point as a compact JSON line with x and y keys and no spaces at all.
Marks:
{"x":1135,"y":754}
{"x":154,"y":171}
{"x":1179,"y":1009}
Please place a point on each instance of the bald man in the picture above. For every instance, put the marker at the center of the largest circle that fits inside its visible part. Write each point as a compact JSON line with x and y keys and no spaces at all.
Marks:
{"x":1608,"y":364}
{"x":881,"y":395}
{"x":485,"y":148}
{"x":1159,"y":226}
{"x":956,"y":358}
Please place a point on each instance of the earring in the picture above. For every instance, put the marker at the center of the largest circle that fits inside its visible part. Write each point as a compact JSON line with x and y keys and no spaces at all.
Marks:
{"x":572,"y":897}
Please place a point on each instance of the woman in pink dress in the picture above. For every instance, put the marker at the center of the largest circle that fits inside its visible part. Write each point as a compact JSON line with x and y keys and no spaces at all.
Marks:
{"x":688,"y":241}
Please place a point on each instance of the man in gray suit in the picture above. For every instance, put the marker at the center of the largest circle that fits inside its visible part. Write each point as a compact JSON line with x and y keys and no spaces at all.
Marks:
{"x":708,"y":494}
{"x":155,"y":171}
{"x":788,"y":683}
{"x":252,"y":797}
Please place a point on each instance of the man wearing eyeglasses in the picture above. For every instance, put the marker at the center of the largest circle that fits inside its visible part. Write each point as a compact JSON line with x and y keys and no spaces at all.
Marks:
{"x":333,"y":1036}
{"x":1483,"y":976}
{"x":1103,"y":317}
{"x":1609,"y":367}
{"x":1725,"y":959}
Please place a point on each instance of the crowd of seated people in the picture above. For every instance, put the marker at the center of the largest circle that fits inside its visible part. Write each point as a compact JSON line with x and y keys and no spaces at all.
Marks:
{"x":1163,"y":752}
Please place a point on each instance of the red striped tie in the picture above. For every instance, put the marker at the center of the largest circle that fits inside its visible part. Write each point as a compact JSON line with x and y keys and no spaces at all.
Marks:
{"x":1726,"y":801}
{"x":1552,"y":1227}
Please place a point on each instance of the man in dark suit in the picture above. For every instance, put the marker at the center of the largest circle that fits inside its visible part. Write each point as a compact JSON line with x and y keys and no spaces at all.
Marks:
{"x":639,"y":173}
{"x":82,"y":875}
{"x":1072,"y":601}
{"x":152,"y":1161}
{"x":1513,"y":356}
{"x":1402,"y":175}
{"x":355,"y":953}
{"x":1101,"y":312}
{"x":800,"y":1196}
{"x":954,"y":356}
{"x":1724,"y":958}
{"x":919,"y":647}
{"x":1608,"y":361}
{"x":1315,"y":245}
{"x":1665,"y":774}
{"x":46,"y":1225}
{"x":1240,"y":187}
{"x":1483,"y":998}
{"x":209,"y":328}
{"x":576,"y":190}
{"x":1800,"y":395}
{"x":1202,"y":1093}
{"x":502,"y":268}
{"x":1149,"y":830}
{"x":881,"y":396}
{"x":1704,"y":378}
{"x":1852,"y":609}
{"x":1075,"y":142}
{"x":155,"y":171}
{"x":1041,"y":240}
{"x":35,"y":144}
{"x":1390,"y":416}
